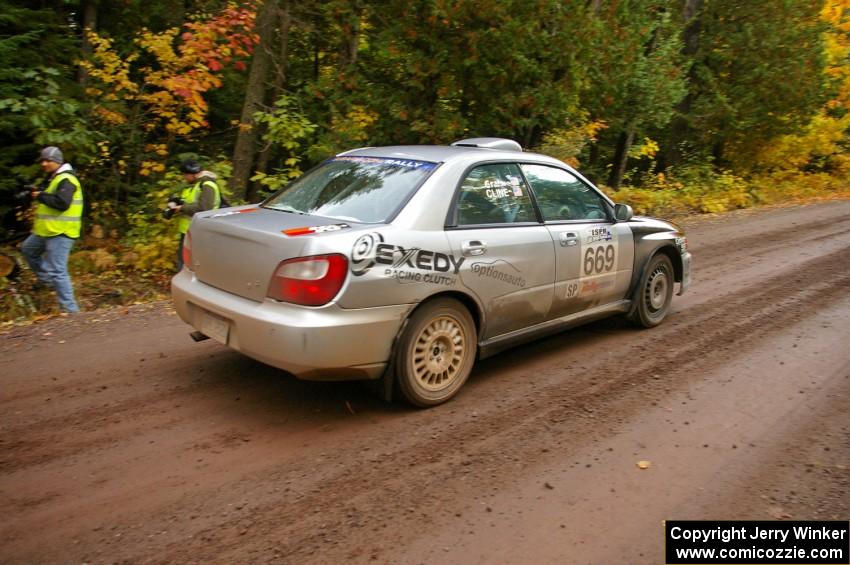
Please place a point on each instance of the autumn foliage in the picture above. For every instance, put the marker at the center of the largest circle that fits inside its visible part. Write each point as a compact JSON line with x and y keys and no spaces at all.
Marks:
{"x":158,"y":91}
{"x":682,"y":107}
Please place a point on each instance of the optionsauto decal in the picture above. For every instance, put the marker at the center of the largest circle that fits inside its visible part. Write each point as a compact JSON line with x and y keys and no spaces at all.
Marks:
{"x":492,"y":270}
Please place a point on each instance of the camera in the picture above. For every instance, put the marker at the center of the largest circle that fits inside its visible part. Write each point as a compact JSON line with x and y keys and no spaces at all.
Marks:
{"x":24,"y":196}
{"x":171,"y":207}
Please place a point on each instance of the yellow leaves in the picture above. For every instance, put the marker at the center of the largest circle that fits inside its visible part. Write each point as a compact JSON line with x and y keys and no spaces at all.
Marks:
{"x":152,"y":240}
{"x":660,"y":182}
{"x":109,"y":116}
{"x":104,"y":156}
{"x":197,"y":100}
{"x":109,"y":68}
{"x":834,"y":12}
{"x":361,"y":117}
{"x":837,"y":48}
{"x":567,"y":142}
{"x":160,"y":149}
{"x":166,"y":79}
{"x":179,"y":128}
{"x":823,"y":137}
{"x":647,"y":148}
{"x":160,"y":46}
{"x":355,"y":124}
{"x":590,"y":129}
{"x":147,"y":167}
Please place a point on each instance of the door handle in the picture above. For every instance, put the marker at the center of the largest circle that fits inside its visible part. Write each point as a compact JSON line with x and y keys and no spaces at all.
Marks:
{"x":473,"y":248}
{"x":568,"y":238}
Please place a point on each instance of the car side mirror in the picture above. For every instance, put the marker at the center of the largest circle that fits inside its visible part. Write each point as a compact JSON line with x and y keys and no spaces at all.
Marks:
{"x":623,"y":212}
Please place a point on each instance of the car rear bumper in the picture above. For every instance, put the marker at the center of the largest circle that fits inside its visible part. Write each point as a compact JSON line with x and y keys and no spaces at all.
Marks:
{"x":325,"y":343}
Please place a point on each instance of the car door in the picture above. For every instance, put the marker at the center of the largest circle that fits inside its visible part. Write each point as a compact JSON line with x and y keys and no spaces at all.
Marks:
{"x":594,"y":254}
{"x":509,"y":256}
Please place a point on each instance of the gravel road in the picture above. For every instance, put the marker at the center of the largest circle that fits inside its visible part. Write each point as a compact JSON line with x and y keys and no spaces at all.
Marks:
{"x":121,"y":440}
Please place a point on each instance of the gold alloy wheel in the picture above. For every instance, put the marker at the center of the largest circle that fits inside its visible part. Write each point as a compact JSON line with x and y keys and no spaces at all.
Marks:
{"x":438,"y":353}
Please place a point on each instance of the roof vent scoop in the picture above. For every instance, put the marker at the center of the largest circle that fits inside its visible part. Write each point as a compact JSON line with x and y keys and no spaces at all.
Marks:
{"x":497,"y":143}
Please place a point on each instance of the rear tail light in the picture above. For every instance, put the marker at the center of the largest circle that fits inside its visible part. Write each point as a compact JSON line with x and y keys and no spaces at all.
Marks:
{"x":187,"y":251}
{"x":309,"y":281}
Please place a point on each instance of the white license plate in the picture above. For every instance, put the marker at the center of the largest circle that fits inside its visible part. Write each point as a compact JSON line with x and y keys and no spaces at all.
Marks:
{"x":214,"y":326}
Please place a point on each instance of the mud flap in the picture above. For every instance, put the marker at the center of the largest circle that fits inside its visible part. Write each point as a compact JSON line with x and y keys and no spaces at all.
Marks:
{"x":386,"y":384}
{"x":198,"y":336}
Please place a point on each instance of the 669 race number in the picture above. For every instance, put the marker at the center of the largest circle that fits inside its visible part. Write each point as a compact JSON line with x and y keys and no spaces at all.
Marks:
{"x":599,"y":259}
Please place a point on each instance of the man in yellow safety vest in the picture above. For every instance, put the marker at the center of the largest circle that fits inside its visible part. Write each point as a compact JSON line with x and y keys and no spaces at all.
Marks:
{"x":56,"y":227}
{"x":203,"y":193}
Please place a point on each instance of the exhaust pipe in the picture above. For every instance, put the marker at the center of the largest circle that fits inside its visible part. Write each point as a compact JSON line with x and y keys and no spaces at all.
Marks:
{"x":198,"y":336}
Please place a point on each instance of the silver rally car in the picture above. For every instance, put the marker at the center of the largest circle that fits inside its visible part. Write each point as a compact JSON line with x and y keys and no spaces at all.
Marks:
{"x":407,"y":263}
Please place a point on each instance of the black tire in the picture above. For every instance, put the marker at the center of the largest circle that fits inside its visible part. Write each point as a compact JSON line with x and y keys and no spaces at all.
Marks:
{"x":435,"y":352}
{"x":654,"y":293}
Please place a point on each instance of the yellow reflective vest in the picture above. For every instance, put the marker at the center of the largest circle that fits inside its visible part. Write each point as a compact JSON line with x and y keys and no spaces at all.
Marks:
{"x":190,"y":195}
{"x":50,"y":222}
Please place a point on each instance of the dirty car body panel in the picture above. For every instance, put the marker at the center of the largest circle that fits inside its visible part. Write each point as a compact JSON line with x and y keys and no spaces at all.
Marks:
{"x":409,"y":262}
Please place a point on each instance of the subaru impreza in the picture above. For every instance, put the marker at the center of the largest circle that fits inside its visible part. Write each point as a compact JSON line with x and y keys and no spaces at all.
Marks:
{"x":406,"y":264}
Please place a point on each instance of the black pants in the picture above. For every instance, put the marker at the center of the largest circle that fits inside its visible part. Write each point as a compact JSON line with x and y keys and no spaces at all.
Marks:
{"x":180,"y":253}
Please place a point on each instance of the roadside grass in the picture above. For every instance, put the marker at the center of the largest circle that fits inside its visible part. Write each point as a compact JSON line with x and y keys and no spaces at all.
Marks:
{"x":22,"y":303}
{"x":724,"y":192}
{"x":107,"y":273}
{"x":100,"y":281}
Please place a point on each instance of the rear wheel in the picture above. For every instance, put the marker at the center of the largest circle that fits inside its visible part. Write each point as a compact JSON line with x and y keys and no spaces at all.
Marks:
{"x":436,"y":352}
{"x":655,"y":292}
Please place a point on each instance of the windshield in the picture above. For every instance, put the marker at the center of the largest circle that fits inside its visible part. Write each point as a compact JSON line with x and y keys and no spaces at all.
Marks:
{"x":359,"y":189}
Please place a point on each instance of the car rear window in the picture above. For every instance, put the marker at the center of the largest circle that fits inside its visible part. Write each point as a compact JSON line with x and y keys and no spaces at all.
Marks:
{"x":359,"y":189}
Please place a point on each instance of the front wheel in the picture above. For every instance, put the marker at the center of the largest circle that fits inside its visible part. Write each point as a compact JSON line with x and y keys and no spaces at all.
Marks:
{"x":654,"y":293}
{"x":435,"y":353}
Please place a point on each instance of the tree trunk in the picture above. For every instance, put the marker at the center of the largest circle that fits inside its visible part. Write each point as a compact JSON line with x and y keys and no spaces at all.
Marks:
{"x":284,"y":23}
{"x":89,"y":24}
{"x":690,"y":36}
{"x":243,"y":153}
{"x":593,"y":160}
{"x":679,"y":126}
{"x":621,"y":157}
{"x":351,"y":36}
{"x":316,"y":51}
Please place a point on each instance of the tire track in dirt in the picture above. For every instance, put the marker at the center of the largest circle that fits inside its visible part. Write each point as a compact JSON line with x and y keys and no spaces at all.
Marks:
{"x":42,"y":444}
{"x":46,"y":439}
{"x":794,"y":237}
{"x":729,"y":325}
{"x":389,"y":474}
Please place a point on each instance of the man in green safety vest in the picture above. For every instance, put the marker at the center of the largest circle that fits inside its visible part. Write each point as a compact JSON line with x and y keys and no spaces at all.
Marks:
{"x":56,"y":227}
{"x":203,"y":193}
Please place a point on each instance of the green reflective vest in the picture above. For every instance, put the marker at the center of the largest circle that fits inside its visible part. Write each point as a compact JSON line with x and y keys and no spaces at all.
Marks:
{"x":50,"y":222}
{"x":189,"y":195}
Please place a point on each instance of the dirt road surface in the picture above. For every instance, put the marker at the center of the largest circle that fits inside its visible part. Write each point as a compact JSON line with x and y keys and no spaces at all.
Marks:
{"x":121,"y":440}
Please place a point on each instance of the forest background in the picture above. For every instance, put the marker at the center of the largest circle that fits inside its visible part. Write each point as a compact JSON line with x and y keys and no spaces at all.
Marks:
{"x":672,"y":106}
